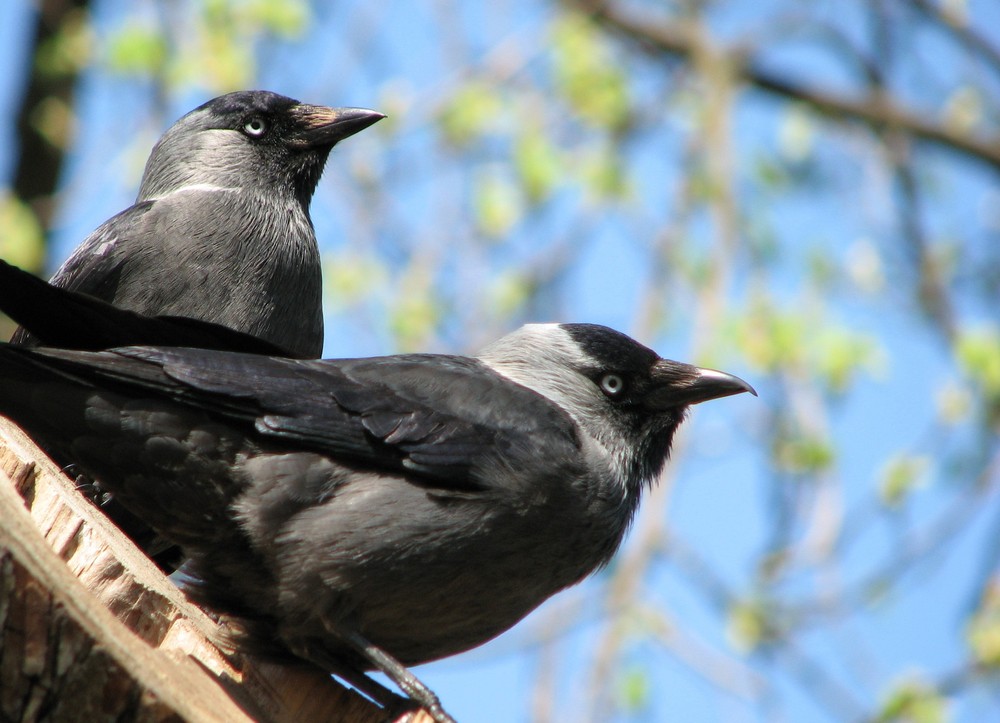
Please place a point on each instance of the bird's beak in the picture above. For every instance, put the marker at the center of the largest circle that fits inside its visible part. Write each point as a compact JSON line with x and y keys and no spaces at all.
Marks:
{"x":683,"y":385}
{"x":322,"y":126}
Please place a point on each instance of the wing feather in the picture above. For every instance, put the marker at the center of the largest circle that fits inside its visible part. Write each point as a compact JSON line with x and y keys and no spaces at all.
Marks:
{"x":449,"y":420}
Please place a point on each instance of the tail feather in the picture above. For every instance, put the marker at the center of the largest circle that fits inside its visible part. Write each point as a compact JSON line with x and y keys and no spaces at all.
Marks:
{"x":168,"y":463}
{"x":51,"y":316}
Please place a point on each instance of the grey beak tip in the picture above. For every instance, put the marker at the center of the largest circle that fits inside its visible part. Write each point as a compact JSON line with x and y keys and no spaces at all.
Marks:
{"x":374,"y":115}
{"x":725,"y":384}
{"x":352,"y":120}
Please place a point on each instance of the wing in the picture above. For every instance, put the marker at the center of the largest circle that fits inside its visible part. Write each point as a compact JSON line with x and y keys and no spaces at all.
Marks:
{"x":71,"y":320}
{"x":153,"y":256}
{"x":96,"y":265}
{"x":449,"y":421}
{"x":214,"y":254}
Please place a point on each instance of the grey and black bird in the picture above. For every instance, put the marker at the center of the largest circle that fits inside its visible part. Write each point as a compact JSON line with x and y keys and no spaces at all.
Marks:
{"x":379,"y":512}
{"x":221,"y":229}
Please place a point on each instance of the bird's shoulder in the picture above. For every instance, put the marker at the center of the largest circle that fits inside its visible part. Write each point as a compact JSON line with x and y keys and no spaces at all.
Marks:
{"x":173,"y":224}
{"x":95,"y":265}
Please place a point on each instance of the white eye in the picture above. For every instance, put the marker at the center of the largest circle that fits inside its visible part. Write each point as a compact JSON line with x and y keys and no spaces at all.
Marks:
{"x":255,"y":127}
{"x":612,"y":384}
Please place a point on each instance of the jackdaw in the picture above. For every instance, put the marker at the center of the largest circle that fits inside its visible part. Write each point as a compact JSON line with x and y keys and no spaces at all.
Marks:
{"x":221,"y":229}
{"x":380,"y":512}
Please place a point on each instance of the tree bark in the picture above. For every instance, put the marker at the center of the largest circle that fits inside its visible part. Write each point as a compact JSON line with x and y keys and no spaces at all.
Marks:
{"x":91,"y":630}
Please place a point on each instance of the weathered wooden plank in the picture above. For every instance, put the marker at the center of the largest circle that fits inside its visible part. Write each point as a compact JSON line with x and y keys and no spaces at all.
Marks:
{"x":91,"y":630}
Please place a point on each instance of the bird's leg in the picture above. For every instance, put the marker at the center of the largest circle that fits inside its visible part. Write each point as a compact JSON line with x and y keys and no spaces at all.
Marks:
{"x":396,"y":672}
{"x":392,"y":702}
{"x":88,"y":487}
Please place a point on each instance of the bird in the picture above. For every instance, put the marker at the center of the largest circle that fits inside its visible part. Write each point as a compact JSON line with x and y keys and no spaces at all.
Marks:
{"x":372,"y":513}
{"x":221,"y":230}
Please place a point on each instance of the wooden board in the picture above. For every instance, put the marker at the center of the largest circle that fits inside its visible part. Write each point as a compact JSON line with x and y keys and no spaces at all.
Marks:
{"x":91,"y":630}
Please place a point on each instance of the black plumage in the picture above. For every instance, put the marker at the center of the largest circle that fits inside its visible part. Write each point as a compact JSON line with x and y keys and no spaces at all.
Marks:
{"x":72,"y":320}
{"x":421,"y":503}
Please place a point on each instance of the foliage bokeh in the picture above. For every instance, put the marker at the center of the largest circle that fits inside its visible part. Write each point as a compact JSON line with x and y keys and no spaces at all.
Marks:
{"x":805,"y":194}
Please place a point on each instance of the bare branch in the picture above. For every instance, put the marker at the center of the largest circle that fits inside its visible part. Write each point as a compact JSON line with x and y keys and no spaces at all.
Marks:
{"x":873,"y":109}
{"x":968,"y":37}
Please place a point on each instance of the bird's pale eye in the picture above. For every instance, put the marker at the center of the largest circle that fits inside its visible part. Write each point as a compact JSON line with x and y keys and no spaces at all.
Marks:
{"x":612,"y":384}
{"x":255,"y":127}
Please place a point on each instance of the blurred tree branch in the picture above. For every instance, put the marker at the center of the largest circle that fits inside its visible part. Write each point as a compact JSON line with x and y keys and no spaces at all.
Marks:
{"x":881,"y":111}
{"x":57,"y":54}
{"x":950,"y":20}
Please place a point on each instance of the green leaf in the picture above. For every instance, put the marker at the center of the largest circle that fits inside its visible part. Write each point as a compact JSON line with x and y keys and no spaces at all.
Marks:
{"x":953,"y":402}
{"x":587,"y":74}
{"x":747,"y":625}
{"x":978,"y":353}
{"x":219,"y":63}
{"x":797,"y":338}
{"x":983,"y":631}
{"x":770,"y":174}
{"x":634,"y":689}
{"x":803,"y":454}
{"x":538,"y":165}
{"x":510,"y":292}
{"x":472,"y":111}
{"x":417,"y":308}
{"x":821,"y":269}
{"x":22,"y":242}
{"x":284,"y":18}
{"x":770,"y":338}
{"x":54,"y":120}
{"x":605,"y":176}
{"x":964,"y":109}
{"x":864,"y":266}
{"x":840,"y":353}
{"x":703,"y":185}
{"x":796,"y":134}
{"x":413,"y":319}
{"x":497,"y":203}
{"x":984,"y":639}
{"x":137,"y":50}
{"x":900,"y":476}
{"x":68,"y":51}
{"x":350,"y":277}
{"x":913,"y":701}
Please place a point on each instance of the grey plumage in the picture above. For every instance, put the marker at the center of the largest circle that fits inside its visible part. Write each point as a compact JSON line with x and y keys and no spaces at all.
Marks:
{"x":423,"y":502}
{"x":221,"y":230}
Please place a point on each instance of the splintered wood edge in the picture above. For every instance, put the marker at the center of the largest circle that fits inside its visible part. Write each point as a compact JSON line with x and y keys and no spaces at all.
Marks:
{"x":67,"y":572}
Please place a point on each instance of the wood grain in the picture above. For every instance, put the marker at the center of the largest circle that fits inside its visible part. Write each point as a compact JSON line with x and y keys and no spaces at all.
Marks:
{"x":91,"y":630}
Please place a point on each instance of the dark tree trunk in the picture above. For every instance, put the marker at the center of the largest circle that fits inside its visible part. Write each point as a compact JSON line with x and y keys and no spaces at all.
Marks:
{"x":50,"y":85}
